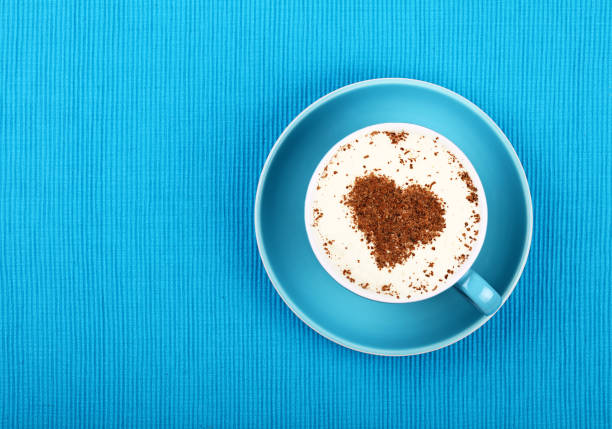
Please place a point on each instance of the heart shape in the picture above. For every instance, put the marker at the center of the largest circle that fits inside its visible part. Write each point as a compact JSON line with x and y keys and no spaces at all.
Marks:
{"x":393,"y":219}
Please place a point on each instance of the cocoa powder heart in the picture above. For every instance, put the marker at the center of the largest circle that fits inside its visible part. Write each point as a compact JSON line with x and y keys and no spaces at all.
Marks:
{"x":393,"y":219}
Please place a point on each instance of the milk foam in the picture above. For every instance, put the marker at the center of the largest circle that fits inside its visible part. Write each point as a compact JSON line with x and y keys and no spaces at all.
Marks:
{"x":420,"y":158}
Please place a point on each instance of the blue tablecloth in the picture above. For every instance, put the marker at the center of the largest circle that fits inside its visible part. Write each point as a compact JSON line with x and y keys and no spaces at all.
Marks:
{"x":132,"y":135}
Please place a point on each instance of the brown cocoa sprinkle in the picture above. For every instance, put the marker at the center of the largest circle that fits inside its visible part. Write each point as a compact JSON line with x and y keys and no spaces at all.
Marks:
{"x":317,"y":214}
{"x":347,"y":273}
{"x":364,"y":285}
{"x":366,"y":156}
{"x":386,"y":287}
{"x":396,"y":137}
{"x":394,"y":220}
{"x":327,"y":252}
{"x":473,"y":196}
{"x":373,"y":133}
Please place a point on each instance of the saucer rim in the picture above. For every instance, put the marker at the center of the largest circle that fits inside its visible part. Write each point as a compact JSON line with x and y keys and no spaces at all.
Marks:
{"x":343,"y":341}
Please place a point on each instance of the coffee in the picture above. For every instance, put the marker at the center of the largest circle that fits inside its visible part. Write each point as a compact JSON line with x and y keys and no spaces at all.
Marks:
{"x":396,"y":211}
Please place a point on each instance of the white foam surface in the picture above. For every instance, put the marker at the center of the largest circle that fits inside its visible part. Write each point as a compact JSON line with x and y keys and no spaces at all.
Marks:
{"x":432,"y":161}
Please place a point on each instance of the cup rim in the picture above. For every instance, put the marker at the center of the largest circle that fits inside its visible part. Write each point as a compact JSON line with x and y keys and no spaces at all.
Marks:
{"x":334,"y":271}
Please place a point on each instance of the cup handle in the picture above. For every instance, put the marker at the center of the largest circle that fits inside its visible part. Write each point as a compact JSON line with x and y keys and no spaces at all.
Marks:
{"x":482,"y":295}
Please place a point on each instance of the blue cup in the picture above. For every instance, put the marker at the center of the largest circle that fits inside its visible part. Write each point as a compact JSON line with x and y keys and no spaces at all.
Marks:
{"x":468,"y":281}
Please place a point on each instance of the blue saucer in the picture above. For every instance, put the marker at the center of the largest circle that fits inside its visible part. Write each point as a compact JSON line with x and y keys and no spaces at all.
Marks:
{"x":332,"y":310}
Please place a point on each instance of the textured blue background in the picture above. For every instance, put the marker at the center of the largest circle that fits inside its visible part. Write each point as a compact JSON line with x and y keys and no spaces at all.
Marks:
{"x":131,"y":139}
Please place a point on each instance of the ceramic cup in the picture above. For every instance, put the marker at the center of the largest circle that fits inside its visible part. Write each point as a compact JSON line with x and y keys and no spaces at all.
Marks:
{"x":482,"y":295}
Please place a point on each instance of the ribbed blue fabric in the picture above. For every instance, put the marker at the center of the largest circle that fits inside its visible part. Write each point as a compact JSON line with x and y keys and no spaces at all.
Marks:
{"x":132,"y":135}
